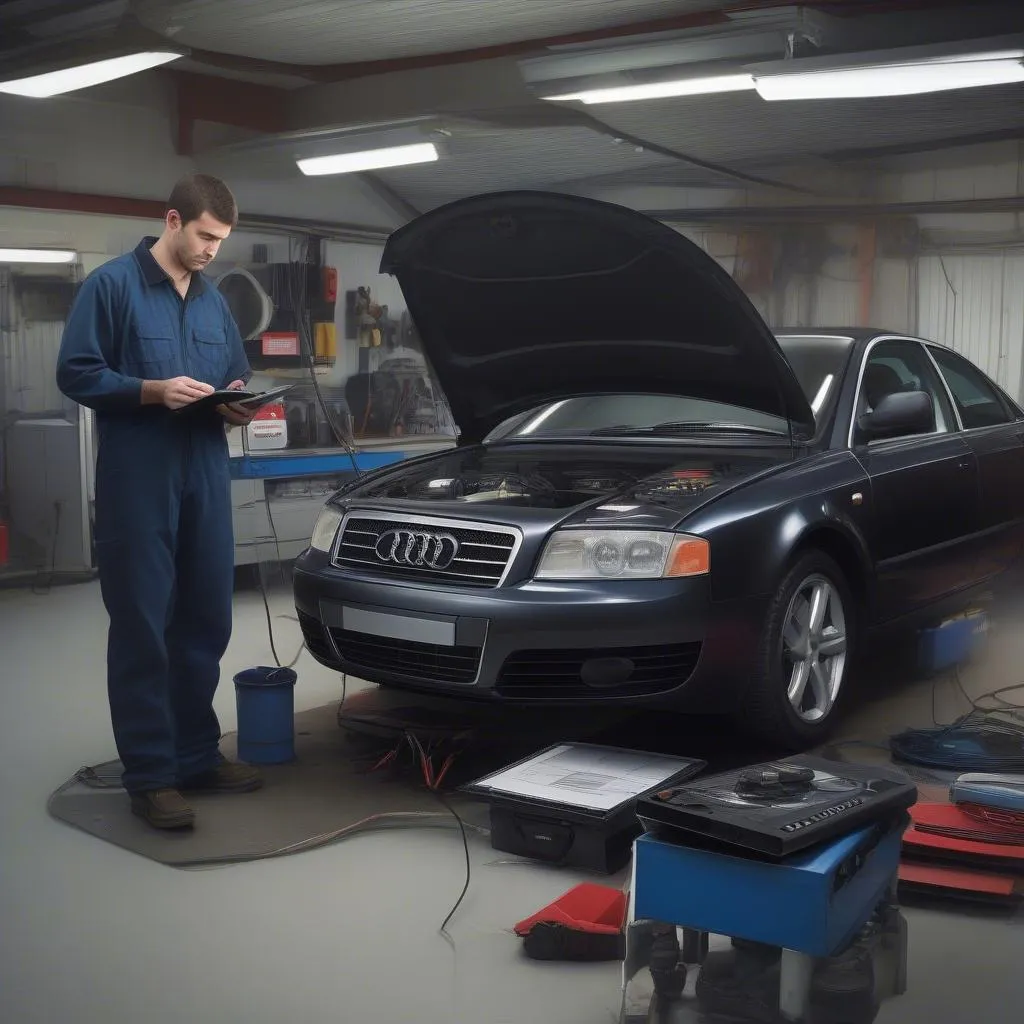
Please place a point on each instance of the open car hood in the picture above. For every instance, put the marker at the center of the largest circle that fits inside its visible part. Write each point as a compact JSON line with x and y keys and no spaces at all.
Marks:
{"x":525,"y":298}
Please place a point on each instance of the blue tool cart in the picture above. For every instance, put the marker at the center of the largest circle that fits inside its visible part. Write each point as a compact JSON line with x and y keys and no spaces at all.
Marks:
{"x":790,"y":926}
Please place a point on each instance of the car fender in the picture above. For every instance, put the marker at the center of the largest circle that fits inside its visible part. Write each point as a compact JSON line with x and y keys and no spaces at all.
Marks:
{"x":757,"y":532}
{"x":836,"y":533}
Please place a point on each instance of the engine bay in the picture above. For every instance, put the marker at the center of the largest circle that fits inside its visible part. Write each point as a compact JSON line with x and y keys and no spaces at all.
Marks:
{"x":562,"y":479}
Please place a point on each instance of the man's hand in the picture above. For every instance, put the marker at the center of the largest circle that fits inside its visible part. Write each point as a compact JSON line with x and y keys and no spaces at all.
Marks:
{"x":237,"y":415}
{"x":175,"y":393}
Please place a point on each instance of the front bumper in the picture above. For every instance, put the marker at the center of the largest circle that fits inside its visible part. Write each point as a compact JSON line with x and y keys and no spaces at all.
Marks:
{"x":536,"y":641}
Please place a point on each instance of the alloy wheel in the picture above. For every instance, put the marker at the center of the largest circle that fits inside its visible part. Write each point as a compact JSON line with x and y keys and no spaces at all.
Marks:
{"x":814,"y":648}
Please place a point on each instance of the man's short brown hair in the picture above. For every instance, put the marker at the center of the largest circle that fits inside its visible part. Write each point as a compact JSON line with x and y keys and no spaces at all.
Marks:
{"x":196,"y":194}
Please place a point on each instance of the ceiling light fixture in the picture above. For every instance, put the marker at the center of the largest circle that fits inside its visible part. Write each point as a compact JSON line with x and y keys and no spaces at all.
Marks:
{"x":369,"y":159}
{"x":802,"y":80}
{"x":81,"y":76}
{"x":661,"y":90}
{"x":37,"y":256}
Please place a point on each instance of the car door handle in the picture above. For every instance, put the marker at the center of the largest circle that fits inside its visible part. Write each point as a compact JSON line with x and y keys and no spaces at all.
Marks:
{"x":966,"y":464}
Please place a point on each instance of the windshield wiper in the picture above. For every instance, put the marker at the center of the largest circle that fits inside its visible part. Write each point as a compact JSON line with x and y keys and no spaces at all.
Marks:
{"x":687,"y":427}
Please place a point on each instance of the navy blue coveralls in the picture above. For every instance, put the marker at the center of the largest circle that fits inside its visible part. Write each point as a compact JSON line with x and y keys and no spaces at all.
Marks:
{"x":164,"y":539}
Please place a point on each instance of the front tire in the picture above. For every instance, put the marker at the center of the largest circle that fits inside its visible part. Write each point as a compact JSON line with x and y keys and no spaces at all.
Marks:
{"x":801,"y":678}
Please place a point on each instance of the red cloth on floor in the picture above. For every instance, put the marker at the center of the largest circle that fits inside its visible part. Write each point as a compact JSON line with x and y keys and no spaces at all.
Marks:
{"x":587,"y":908}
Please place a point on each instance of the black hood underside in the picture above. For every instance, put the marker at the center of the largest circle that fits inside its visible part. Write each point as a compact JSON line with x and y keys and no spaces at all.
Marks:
{"x":526,"y":298}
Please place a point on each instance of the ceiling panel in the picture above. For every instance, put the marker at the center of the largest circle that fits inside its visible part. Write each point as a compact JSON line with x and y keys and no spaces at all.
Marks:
{"x":743,"y":128}
{"x":534,"y":158}
{"x":343,"y":31}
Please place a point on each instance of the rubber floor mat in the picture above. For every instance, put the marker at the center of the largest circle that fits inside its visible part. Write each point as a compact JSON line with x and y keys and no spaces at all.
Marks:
{"x":326,"y":794}
{"x":330,"y":791}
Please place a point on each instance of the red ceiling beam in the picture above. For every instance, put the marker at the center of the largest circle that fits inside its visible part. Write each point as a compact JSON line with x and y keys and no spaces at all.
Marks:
{"x":258,"y":108}
{"x":81,"y":202}
{"x":152,"y":209}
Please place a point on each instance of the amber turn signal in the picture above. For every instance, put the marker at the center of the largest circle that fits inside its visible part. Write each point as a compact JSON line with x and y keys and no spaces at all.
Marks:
{"x":691,"y":556}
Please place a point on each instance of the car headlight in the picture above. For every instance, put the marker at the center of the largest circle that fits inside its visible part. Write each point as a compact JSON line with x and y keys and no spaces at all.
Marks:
{"x":326,"y":528}
{"x":576,"y":554}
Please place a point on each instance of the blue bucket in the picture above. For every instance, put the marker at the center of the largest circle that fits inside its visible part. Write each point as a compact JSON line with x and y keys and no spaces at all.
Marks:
{"x":265,"y":699}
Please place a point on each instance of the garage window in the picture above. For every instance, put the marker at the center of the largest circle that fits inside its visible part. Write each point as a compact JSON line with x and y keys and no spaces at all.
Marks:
{"x":977,"y":399}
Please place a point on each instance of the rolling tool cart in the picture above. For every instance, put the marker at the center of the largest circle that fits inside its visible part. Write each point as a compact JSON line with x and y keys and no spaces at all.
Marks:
{"x":792,"y":868}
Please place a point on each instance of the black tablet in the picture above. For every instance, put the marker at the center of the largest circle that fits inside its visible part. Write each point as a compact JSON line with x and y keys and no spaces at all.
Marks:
{"x":247,"y":399}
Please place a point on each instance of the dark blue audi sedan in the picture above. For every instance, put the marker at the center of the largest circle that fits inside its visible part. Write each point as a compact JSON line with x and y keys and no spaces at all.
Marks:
{"x":653,"y":499}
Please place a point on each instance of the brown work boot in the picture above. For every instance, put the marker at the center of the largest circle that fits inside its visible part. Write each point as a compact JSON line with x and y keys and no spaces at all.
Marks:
{"x":227,"y":777}
{"x":163,"y":808}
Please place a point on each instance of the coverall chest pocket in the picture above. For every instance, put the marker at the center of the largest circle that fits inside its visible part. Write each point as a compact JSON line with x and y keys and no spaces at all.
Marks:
{"x":212,"y":355}
{"x":152,"y":355}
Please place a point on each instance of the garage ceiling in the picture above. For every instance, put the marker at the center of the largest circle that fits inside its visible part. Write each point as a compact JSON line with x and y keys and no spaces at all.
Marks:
{"x":300,"y":67}
{"x":742,"y":130}
{"x":326,"y":32}
{"x":482,"y":161}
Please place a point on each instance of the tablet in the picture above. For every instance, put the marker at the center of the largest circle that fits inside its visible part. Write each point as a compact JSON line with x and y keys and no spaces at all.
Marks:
{"x":247,"y":399}
{"x":261,"y":398}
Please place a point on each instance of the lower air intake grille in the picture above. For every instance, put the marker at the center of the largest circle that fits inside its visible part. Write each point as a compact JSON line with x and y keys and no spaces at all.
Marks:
{"x":470,"y":555}
{"x":554,"y":674}
{"x":430,"y":662}
{"x":315,"y":637}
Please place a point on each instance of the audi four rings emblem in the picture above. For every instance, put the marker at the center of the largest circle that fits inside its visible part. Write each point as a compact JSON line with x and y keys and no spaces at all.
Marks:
{"x":417,"y":549}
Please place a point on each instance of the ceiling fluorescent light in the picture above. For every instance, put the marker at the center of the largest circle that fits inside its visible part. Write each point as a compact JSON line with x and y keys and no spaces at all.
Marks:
{"x":897,"y":79}
{"x":53,"y":83}
{"x":369,"y":159}
{"x":37,"y":256}
{"x":661,"y":90}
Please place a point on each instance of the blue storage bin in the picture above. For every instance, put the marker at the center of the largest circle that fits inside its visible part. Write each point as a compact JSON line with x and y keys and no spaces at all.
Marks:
{"x":951,"y":642}
{"x":265,"y":699}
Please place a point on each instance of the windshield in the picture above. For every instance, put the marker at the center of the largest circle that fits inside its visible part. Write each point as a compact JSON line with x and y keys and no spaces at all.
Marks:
{"x":817,"y":364}
{"x":625,"y":414}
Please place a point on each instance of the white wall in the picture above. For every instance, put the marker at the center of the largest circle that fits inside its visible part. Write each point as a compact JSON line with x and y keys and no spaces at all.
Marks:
{"x":830,"y":297}
{"x":118,"y":141}
{"x":974,"y":302}
{"x":972,"y":172}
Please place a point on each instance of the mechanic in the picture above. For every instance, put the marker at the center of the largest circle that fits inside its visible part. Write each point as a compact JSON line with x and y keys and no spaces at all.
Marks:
{"x":146,"y":337}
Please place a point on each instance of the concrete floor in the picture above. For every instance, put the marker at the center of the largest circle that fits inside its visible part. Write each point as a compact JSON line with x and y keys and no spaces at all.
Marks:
{"x":91,"y":933}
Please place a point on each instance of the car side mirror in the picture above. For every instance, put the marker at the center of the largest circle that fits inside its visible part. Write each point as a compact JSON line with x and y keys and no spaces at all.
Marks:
{"x":899,"y":414}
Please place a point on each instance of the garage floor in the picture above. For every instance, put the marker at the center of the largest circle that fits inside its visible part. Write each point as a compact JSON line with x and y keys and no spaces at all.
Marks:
{"x":91,"y":933}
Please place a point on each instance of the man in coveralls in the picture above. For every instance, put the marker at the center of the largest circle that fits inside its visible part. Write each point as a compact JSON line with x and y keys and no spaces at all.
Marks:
{"x":147,"y":336}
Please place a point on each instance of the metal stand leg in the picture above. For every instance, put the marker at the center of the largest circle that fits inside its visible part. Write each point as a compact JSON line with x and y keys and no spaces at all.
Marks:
{"x":795,"y":984}
{"x":637,"y":985}
{"x":668,"y":973}
{"x":695,"y":946}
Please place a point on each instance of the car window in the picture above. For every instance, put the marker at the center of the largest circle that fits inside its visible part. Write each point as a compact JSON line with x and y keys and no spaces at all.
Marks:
{"x":977,"y":399}
{"x":897,"y":366}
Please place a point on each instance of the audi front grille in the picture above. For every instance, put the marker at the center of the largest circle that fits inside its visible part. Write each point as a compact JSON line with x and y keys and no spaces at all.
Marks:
{"x":427,"y":550}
